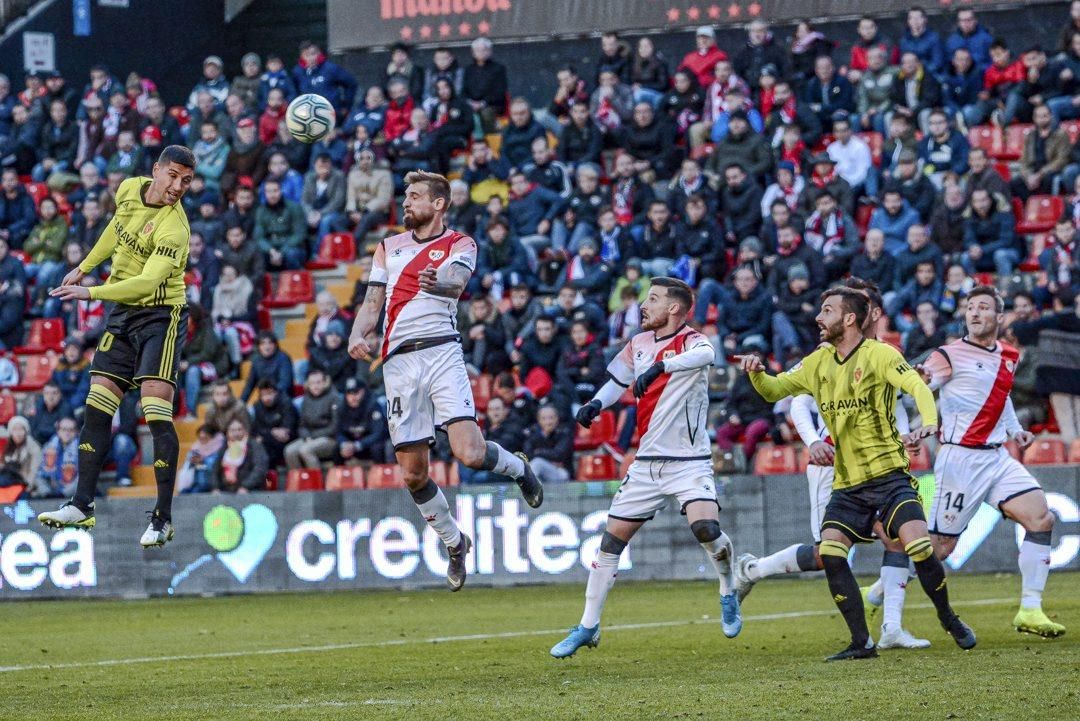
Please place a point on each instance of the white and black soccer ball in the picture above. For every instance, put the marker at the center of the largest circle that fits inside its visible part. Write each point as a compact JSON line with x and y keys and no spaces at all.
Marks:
{"x":310,"y":118}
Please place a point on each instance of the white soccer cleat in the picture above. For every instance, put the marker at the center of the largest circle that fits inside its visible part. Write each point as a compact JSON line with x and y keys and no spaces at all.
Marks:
{"x":743,"y":583}
{"x":900,"y":637}
{"x":69,"y":516}
{"x":158,"y":533}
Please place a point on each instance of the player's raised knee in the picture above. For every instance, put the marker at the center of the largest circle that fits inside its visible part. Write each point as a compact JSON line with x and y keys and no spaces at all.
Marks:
{"x":472,"y":453}
{"x":705,"y":530}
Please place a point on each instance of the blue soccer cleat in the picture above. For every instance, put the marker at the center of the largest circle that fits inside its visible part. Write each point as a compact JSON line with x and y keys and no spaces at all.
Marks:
{"x":579,"y":636}
{"x":730,"y":615}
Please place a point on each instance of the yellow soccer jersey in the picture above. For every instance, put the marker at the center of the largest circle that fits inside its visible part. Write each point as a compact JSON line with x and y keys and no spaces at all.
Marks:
{"x":856,"y":397}
{"x":149,"y":249}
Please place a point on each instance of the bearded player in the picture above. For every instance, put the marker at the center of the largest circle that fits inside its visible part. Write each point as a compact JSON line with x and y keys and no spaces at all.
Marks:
{"x":418,"y":276}
{"x":975,"y":375}
{"x":854,"y":381}
{"x":891,"y":589}
{"x":147,"y":242}
{"x":667,"y":365}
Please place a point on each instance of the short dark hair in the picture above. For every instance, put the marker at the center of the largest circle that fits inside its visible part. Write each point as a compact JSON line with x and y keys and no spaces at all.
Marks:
{"x":991,"y":291}
{"x":266,"y":335}
{"x":677,"y":290}
{"x":207,"y":429}
{"x":851,"y":301}
{"x":505,"y":380}
{"x":867,"y":286}
{"x":438,"y":185}
{"x":655,"y":202}
{"x":177,"y":154}
{"x":266,"y":384}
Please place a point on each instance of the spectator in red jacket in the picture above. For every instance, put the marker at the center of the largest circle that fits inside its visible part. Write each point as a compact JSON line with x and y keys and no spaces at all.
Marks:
{"x":869,"y":37}
{"x":1000,"y":78}
{"x":702,"y":60}
{"x":398,"y":110}
{"x":272,"y":116}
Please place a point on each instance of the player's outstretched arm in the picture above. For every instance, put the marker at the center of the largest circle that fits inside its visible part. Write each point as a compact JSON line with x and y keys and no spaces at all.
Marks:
{"x":772,"y":388}
{"x":452,"y":285}
{"x":1013,"y":428}
{"x":131,"y":290}
{"x":606,"y":396}
{"x":366,"y":318}
{"x":102,"y":251}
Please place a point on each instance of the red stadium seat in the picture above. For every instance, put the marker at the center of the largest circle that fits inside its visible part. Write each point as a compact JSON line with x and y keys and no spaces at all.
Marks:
{"x":987,"y":137}
{"x":304,"y":479}
{"x":892,"y":338}
{"x":444,"y":474}
{"x":37,"y":191}
{"x":772,"y":460}
{"x":1013,"y":145}
{"x":862,"y":219}
{"x":1040,"y":213}
{"x":876,"y":141}
{"x":265,"y":318}
{"x":702,"y":152}
{"x":481,"y":390}
{"x":345,"y":478}
{"x":8,"y":408}
{"x":271,"y":481}
{"x":1003,"y":171}
{"x":1074,"y":451}
{"x":1072,"y":127}
{"x":10,"y":494}
{"x":334,"y":248}
{"x":385,"y":475}
{"x":181,"y":115}
{"x":596,"y":467}
{"x":45,"y":334}
{"x":34,"y":372}
{"x":1045,"y":452}
{"x":600,"y":432}
{"x":293,"y":288}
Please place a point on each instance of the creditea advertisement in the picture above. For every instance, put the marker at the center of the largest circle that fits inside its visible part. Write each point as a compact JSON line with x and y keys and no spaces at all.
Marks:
{"x":270,"y":542}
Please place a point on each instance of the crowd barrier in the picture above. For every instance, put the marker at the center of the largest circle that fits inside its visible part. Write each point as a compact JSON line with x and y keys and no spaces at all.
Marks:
{"x":266,"y":542}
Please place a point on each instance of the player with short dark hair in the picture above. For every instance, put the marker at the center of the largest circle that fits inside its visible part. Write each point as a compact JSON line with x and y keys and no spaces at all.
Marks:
{"x":854,"y":381}
{"x":667,"y":364}
{"x":147,"y":243}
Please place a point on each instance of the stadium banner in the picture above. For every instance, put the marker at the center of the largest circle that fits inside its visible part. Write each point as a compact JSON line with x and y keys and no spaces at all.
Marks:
{"x":266,"y":542}
{"x":357,"y":24}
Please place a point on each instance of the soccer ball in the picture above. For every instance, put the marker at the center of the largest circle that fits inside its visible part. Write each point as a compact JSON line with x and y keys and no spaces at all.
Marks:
{"x":310,"y":118}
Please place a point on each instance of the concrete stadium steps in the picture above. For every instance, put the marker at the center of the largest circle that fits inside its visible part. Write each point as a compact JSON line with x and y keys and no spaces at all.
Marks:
{"x":133,"y":492}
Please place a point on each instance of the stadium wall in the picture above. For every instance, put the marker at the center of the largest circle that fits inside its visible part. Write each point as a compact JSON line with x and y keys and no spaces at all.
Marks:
{"x":270,"y":542}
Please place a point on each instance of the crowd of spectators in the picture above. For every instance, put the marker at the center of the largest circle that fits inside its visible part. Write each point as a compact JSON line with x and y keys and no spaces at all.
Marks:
{"x":760,"y":173}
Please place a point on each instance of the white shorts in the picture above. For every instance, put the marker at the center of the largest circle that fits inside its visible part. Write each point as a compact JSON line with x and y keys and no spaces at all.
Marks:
{"x":649,"y":484}
{"x":425,"y":390}
{"x":820,"y":480}
{"x":967,"y":477}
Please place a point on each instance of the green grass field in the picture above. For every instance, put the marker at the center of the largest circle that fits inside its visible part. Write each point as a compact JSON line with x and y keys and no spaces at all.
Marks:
{"x":483,"y":654}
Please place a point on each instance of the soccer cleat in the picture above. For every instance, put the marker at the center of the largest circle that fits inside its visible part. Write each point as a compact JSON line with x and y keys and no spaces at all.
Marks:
{"x":855,"y":653}
{"x":69,"y":516}
{"x":961,"y":632}
{"x":899,"y":637}
{"x":1034,"y":621}
{"x":579,"y":636}
{"x":743,"y":583}
{"x":158,"y":533}
{"x":531,"y":487}
{"x":455,"y":572}
{"x":730,"y":615}
{"x":869,"y":607}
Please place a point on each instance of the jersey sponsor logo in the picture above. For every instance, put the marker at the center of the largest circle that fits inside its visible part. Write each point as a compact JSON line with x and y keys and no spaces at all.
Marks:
{"x":436,"y":254}
{"x":166,"y":252}
{"x":128,"y":239}
{"x":902,"y":367}
{"x":845,"y":404}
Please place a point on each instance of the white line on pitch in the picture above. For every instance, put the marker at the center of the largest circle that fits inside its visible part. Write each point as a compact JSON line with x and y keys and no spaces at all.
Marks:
{"x":436,"y":639}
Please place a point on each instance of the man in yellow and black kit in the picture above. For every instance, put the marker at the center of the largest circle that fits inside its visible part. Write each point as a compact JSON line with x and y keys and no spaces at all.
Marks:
{"x":854,"y":381}
{"x":147,"y":241}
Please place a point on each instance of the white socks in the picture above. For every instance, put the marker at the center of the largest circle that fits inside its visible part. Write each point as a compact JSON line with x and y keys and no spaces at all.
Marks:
{"x":436,"y":512}
{"x":720,"y":552}
{"x":785,"y":561}
{"x":1034,"y":569}
{"x":503,"y":461}
{"x":894,"y":584}
{"x":601,"y":579}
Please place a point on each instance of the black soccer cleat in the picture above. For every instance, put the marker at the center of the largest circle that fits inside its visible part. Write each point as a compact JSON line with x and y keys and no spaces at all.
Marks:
{"x":455,"y":572}
{"x":855,"y":653}
{"x":532,"y":490}
{"x":961,"y":632}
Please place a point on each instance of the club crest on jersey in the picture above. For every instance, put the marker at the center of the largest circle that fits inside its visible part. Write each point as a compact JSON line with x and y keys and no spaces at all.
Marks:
{"x":668,"y":354}
{"x":148,"y":228}
{"x":858,"y":375}
{"x":1010,"y":366}
{"x":436,"y":254}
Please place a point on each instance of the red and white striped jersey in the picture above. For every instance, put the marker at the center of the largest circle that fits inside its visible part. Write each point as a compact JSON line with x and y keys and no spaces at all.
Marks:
{"x":412,"y":314}
{"x":672,"y":415}
{"x":974,"y":401}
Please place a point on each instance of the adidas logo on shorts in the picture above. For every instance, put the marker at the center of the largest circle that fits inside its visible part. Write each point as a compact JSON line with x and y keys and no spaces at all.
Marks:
{"x":159,"y":463}
{"x":86,"y":447}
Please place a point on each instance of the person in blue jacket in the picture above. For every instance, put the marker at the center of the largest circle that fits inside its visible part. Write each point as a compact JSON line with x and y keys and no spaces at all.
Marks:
{"x":315,"y":74}
{"x":269,"y":362}
{"x":922,"y":41}
{"x":971,"y":36}
{"x":17,"y":214}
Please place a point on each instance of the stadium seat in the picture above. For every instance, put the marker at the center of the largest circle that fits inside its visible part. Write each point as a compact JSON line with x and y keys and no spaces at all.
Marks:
{"x":335,"y":248}
{"x":876,"y":141}
{"x":444,"y":474}
{"x":385,"y":475}
{"x":987,"y":137}
{"x":304,"y":479}
{"x":1074,"y":451}
{"x":1013,"y":146}
{"x":345,"y":478}
{"x":1040,"y":214}
{"x":600,"y":432}
{"x":596,"y":467}
{"x":892,"y":338}
{"x":9,"y":408}
{"x":772,"y":460}
{"x":10,"y":494}
{"x":34,"y":372}
{"x":702,"y":152}
{"x":293,"y":288}
{"x":264,"y":318}
{"x":1072,"y":127}
{"x":45,"y":334}
{"x":1045,"y":452}
{"x":481,"y":390}
{"x":1003,"y":171}
{"x":271,"y":481}
{"x":37,"y":191}
{"x":862,"y":219}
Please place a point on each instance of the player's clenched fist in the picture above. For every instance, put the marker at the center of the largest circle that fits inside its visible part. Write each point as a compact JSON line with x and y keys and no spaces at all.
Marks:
{"x":647,"y":378}
{"x":359,"y":348}
{"x":588,"y":413}
{"x":750,"y":363}
{"x":427,"y":278}
{"x":821,"y":453}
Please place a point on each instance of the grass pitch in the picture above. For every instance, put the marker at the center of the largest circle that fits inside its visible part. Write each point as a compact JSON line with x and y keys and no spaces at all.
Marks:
{"x":483,"y":654}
